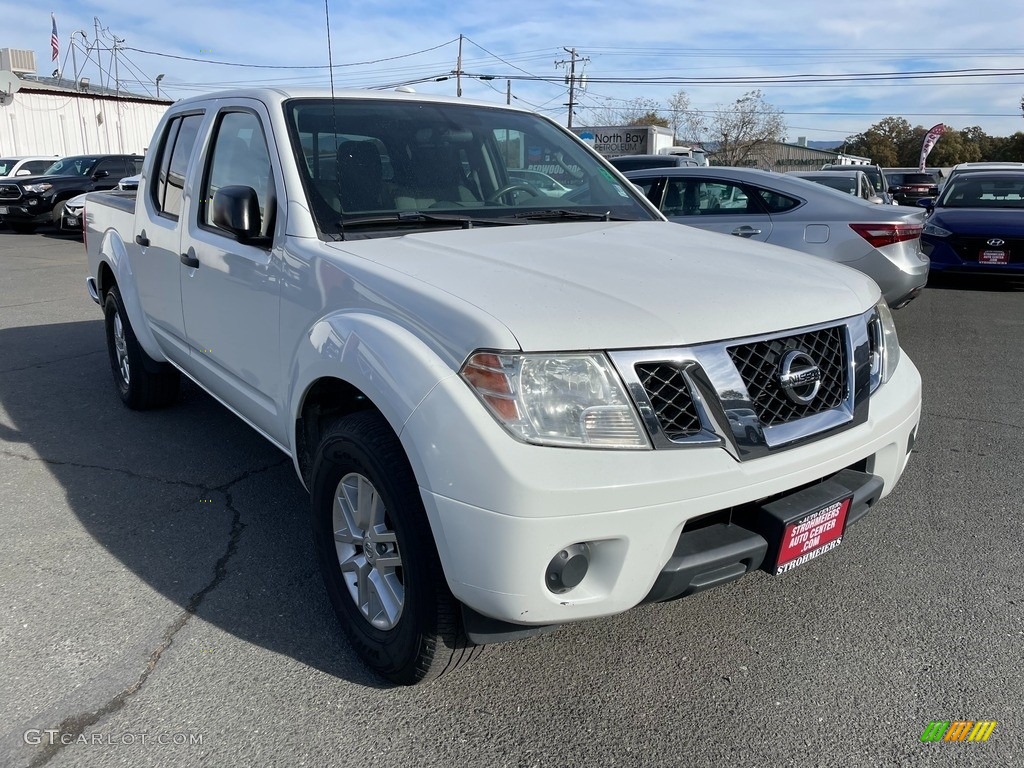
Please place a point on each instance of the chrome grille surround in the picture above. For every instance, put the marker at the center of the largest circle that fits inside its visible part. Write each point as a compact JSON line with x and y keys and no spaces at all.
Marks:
{"x":10,"y":192}
{"x":696,"y":396}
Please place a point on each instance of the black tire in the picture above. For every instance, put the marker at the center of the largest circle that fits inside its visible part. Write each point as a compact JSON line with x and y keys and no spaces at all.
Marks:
{"x":423,"y":638}
{"x":141,"y":382}
{"x":21,"y":227}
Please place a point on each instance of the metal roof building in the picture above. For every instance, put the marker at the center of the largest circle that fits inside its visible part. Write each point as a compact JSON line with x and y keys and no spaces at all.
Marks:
{"x":53,"y":116}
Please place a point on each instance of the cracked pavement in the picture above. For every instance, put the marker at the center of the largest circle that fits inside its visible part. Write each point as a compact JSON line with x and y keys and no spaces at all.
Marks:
{"x":157,"y":581}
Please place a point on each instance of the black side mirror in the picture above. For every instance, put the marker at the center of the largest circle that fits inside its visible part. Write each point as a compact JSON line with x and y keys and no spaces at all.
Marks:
{"x":101,"y":175}
{"x":237,"y":210}
{"x":926,"y":202}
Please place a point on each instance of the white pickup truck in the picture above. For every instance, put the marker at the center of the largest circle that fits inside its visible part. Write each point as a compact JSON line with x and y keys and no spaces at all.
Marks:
{"x":511,"y":410}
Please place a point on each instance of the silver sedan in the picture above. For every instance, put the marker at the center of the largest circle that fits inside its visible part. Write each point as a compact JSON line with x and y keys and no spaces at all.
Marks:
{"x":883,"y":242}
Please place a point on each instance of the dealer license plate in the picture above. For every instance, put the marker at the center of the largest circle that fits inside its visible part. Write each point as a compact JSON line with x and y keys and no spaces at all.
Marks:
{"x":812,"y":535}
{"x":3,"y":210}
{"x":994,"y":257}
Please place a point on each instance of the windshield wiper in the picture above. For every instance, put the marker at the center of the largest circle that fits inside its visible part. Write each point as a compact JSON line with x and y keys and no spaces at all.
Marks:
{"x":419,"y":218}
{"x":561,"y":213}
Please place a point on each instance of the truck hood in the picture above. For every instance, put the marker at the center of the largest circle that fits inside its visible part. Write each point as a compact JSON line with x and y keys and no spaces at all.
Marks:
{"x":623,"y":285}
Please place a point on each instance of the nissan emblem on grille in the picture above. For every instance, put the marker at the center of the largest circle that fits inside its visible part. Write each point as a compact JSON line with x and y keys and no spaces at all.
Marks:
{"x":799,"y":377}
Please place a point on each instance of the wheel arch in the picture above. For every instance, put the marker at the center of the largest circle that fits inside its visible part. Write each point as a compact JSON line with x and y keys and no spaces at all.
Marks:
{"x":114,"y":268}
{"x":349,"y":362}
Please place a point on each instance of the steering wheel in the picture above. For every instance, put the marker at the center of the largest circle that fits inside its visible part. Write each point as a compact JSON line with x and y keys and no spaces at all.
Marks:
{"x":518,"y":186}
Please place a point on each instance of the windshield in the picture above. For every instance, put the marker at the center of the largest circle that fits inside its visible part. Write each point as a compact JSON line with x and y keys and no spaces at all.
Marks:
{"x":967,"y":191}
{"x":382,"y":161}
{"x":71,"y":166}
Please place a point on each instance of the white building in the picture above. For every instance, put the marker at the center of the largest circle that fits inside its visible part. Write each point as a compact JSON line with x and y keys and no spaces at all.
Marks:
{"x":51,"y":116}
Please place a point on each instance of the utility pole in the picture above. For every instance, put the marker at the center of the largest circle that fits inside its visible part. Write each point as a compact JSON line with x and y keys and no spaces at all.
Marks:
{"x":508,"y":91}
{"x":458,"y":71}
{"x":571,"y":78}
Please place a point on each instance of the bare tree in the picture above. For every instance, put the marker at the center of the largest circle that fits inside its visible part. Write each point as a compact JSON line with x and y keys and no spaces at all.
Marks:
{"x":679,"y":108}
{"x":737,"y":133}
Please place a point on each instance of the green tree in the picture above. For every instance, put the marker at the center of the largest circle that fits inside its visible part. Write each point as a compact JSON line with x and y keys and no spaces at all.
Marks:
{"x":649,"y":118}
{"x":886,"y":142}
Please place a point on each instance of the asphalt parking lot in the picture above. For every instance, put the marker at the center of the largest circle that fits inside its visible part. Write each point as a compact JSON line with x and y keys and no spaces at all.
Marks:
{"x":160,"y":603}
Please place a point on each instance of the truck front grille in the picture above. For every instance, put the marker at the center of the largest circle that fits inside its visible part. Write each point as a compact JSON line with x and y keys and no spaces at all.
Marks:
{"x":10,"y":192}
{"x":758,"y":365}
{"x":670,"y":397}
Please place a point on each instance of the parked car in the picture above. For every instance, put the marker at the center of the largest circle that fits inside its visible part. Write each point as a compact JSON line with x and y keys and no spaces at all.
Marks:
{"x":24,"y":166}
{"x":638,"y":162}
{"x":71,"y":214}
{"x":129,"y":182}
{"x":907,"y":187}
{"x":977,"y":224}
{"x":874,"y":172}
{"x":960,"y":168}
{"x":851,"y":181}
{"x":546,"y":184}
{"x":880,"y":241}
{"x":28,"y":201}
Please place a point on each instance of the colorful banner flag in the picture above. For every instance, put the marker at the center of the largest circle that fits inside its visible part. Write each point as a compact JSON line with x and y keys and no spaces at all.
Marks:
{"x":54,"y":42}
{"x":929,"y":141}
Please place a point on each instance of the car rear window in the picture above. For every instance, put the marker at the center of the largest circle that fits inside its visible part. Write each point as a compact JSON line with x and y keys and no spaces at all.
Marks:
{"x":917,"y":178}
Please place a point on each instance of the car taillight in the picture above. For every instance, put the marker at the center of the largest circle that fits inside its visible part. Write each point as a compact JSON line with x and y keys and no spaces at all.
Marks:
{"x":887,"y":234}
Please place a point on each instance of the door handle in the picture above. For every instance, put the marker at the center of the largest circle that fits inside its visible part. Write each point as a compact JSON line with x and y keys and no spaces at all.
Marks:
{"x":142,"y":240}
{"x":746,"y":231}
{"x":189,"y":261}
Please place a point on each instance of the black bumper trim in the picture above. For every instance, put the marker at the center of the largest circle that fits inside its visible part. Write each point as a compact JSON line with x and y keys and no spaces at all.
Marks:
{"x":717,"y":554}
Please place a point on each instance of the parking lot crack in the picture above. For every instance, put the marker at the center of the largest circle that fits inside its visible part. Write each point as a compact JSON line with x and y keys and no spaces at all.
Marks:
{"x":71,"y":728}
{"x":115,"y":470}
{"x":45,"y":363}
{"x":969,"y":420}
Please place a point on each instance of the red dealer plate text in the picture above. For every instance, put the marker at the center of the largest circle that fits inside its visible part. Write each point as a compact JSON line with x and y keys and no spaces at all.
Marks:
{"x":812,"y":535}
{"x":994,"y":257}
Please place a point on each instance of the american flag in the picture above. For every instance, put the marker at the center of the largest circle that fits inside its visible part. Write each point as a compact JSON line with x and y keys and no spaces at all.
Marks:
{"x":54,"y":42}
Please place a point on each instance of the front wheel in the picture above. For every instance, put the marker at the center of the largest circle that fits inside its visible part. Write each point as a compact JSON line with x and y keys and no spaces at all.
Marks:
{"x":377,"y":555}
{"x":141,"y":381}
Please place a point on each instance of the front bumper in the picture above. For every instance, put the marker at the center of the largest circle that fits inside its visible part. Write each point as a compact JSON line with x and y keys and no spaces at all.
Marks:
{"x":501,"y":515}
{"x":944,"y":258}
{"x":26,"y":211}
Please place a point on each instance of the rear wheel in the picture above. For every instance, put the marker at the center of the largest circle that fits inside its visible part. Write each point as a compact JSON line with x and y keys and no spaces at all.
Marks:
{"x":141,"y":382}
{"x":377,"y":555}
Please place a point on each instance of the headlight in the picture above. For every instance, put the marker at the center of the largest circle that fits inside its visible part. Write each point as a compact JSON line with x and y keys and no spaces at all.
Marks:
{"x":884,"y":345}
{"x":37,"y":189}
{"x":935,"y":230}
{"x":568,"y":400}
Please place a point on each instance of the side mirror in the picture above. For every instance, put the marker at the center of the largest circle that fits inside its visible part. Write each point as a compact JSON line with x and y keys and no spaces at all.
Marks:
{"x":101,"y":175}
{"x":893,"y":190}
{"x":876,"y":200}
{"x":23,"y":172}
{"x":237,"y":210}
{"x":926,"y":202}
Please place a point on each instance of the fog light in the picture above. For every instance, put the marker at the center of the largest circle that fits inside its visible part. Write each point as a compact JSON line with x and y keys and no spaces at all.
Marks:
{"x":568,"y":568}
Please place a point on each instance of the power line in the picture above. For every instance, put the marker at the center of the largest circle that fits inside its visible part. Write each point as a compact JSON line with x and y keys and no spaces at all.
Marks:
{"x":288,"y":66}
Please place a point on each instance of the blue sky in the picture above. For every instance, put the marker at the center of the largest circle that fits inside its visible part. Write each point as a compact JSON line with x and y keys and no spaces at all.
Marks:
{"x":411,"y":40}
